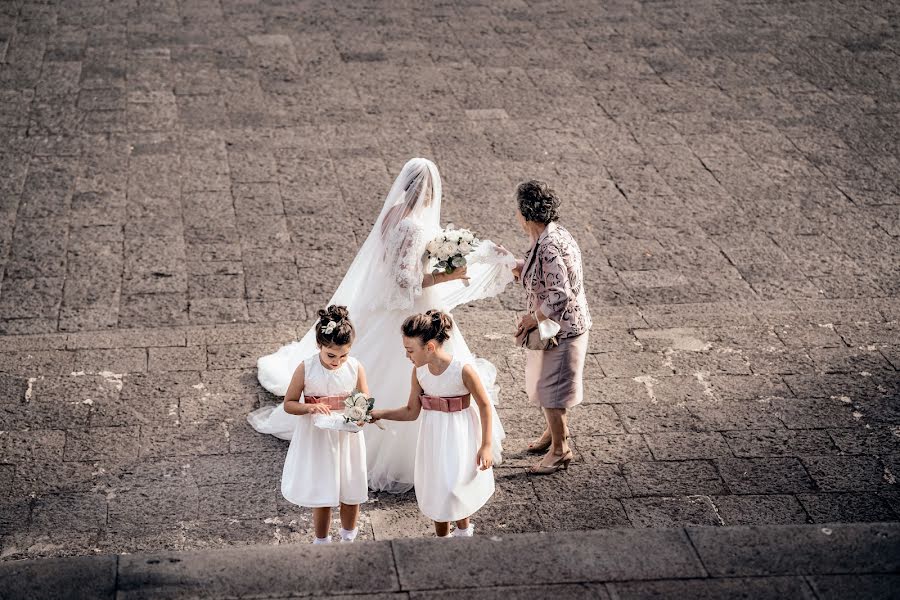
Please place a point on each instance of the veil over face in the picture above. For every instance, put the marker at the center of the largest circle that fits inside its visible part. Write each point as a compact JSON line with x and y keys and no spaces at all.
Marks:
{"x":387,"y":271}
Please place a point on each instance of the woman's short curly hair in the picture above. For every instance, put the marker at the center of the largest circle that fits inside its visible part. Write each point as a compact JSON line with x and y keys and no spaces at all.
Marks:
{"x":537,"y":202}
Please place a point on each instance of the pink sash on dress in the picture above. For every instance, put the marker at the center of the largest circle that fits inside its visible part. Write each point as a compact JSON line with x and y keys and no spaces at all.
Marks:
{"x":446,"y":404}
{"x":332,"y":402}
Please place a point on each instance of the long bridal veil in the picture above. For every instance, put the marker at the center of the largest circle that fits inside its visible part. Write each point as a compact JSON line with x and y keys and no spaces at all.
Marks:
{"x":380,"y":289}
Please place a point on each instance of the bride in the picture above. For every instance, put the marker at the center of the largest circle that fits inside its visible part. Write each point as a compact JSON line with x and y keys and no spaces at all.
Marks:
{"x":388,"y":281}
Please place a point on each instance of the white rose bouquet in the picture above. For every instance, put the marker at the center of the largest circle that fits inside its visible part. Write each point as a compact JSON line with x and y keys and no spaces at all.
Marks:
{"x":357,"y":412}
{"x":358,"y":408}
{"x":450,"y":248}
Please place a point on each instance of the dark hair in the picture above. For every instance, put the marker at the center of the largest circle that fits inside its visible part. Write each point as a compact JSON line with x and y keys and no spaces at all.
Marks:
{"x":433,"y":325}
{"x":341,"y":334}
{"x":537,"y":202}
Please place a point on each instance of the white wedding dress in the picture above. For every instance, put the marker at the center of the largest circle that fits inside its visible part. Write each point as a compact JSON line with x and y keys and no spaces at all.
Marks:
{"x":382,"y":287}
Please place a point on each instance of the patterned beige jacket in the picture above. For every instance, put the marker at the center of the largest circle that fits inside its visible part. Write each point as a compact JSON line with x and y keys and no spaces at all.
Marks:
{"x":554,"y":281}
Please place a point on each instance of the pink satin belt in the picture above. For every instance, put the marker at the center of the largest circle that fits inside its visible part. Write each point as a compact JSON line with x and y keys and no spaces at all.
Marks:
{"x":332,"y":402}
{"x":446,"y":404}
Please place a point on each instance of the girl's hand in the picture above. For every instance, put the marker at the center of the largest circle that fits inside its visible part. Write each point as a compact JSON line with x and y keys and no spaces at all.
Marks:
{"x":375,"y":415}
{"x":485,"y":458}
{"x":318,"y":409}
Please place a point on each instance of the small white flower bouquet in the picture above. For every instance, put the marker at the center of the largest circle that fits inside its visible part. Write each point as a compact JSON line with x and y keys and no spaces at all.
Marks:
{"x":357,"y":412}
{"x":358,"y":408}
{"x":450,"y":248}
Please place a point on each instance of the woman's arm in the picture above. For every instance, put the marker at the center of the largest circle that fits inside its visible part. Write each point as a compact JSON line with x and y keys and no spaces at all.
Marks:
{"x":556,"y":284}
{"x":292,"y":404}
{"x":484,"y":458}
{"x":431,"y":279}
{"x":410,"y":412}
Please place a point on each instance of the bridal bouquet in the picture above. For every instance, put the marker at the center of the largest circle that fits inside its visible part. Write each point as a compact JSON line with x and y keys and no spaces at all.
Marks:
{"x":450,"y":248}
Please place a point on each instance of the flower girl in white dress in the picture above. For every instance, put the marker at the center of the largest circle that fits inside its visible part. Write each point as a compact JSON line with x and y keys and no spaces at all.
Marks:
{"x":326,"y":468}
{"x":454,"y":458}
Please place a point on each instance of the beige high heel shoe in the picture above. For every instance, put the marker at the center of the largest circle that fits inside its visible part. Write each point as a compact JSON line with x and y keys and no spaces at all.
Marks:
{"x":560,"y":463}
{"x":540,"y":445}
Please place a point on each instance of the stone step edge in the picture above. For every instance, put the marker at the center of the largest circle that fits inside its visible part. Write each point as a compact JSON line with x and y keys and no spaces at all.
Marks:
{"x":406,"y":565}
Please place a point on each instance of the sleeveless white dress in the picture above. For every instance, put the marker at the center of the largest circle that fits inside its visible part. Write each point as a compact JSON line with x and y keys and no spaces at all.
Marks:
{"x":449,"y":484}
{"x":324,"y":468}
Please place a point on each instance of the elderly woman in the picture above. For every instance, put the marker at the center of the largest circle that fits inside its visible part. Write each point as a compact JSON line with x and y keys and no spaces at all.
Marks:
{"x":552,"y":276}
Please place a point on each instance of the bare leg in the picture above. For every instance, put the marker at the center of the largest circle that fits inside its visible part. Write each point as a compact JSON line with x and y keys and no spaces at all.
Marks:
{"x":441,"y":528}
{"x":463,"y":523}
{"x":559,"y":446}
{"x":349,"y":516}
{"x":322,"y":521}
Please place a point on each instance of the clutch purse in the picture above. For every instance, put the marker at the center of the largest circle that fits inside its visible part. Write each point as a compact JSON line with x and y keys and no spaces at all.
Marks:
{"x":542,"y":337}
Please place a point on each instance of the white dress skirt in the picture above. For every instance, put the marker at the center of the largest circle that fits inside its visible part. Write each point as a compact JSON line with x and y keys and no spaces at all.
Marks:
{"x":449,"y":484}
{"x":325,"y":468}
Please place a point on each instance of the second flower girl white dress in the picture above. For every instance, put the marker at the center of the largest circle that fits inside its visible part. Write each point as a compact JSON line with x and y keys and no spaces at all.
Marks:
{"x":449,"y":484}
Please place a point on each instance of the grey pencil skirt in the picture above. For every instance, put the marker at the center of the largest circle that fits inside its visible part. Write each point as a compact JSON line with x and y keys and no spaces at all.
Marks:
{"x":554,"y":378}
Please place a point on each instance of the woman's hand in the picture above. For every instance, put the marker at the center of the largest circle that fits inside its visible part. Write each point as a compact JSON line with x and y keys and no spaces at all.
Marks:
{"x":317,"y":409}
{"x":517,"y":270}
{"x":461,"y":273}
{"x":526,"y":323}
{"x":485,"y":458}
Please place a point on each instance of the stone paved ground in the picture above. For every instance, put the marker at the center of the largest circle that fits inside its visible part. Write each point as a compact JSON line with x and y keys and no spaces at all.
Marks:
{"x":183,"y":183}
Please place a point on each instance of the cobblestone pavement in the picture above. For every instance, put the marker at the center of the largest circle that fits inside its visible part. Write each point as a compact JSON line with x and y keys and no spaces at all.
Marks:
{"x":183,"y":183}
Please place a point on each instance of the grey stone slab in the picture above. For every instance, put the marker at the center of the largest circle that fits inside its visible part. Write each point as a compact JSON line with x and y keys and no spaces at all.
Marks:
{"x":758,"y":443}
{"x":69,"y":512}
{"x":233,"y":356}
{"x":22,"y":446}
{"x":701,"y":589}
{"x":835,"y":411}
{"x":730,"y":415}
{"x":582,"y":483}
{"x":573,"y":516}
{"x":154,"y":505}
{"x":184,"y":440}
{"x":235,"y":572}
{"x":847,"y":507}
{"x":849,"y":360}
{"x":126,"y":339}
{"x":878,"y":441}
{"x":74,"y":577}
{"x":673,"y":478}
{"x":649,"y":550}
{"x":627,"y":364}
{"x":687,"y":445}
{"x":242,"y":500}
{"x":671,"y":512}
{"x":611,"y":448}
{"x":873,"y":587}
{"x":118,"y":360}
{"x":188,"y":358}
{"x":798,"y":549}
{"x":524,"y":592}
{"x":769,"y":509}
{"x":117,"y":443}
{"x":656,"y":417}
{"x":847,"y":473}
{"x":765,"y":475}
